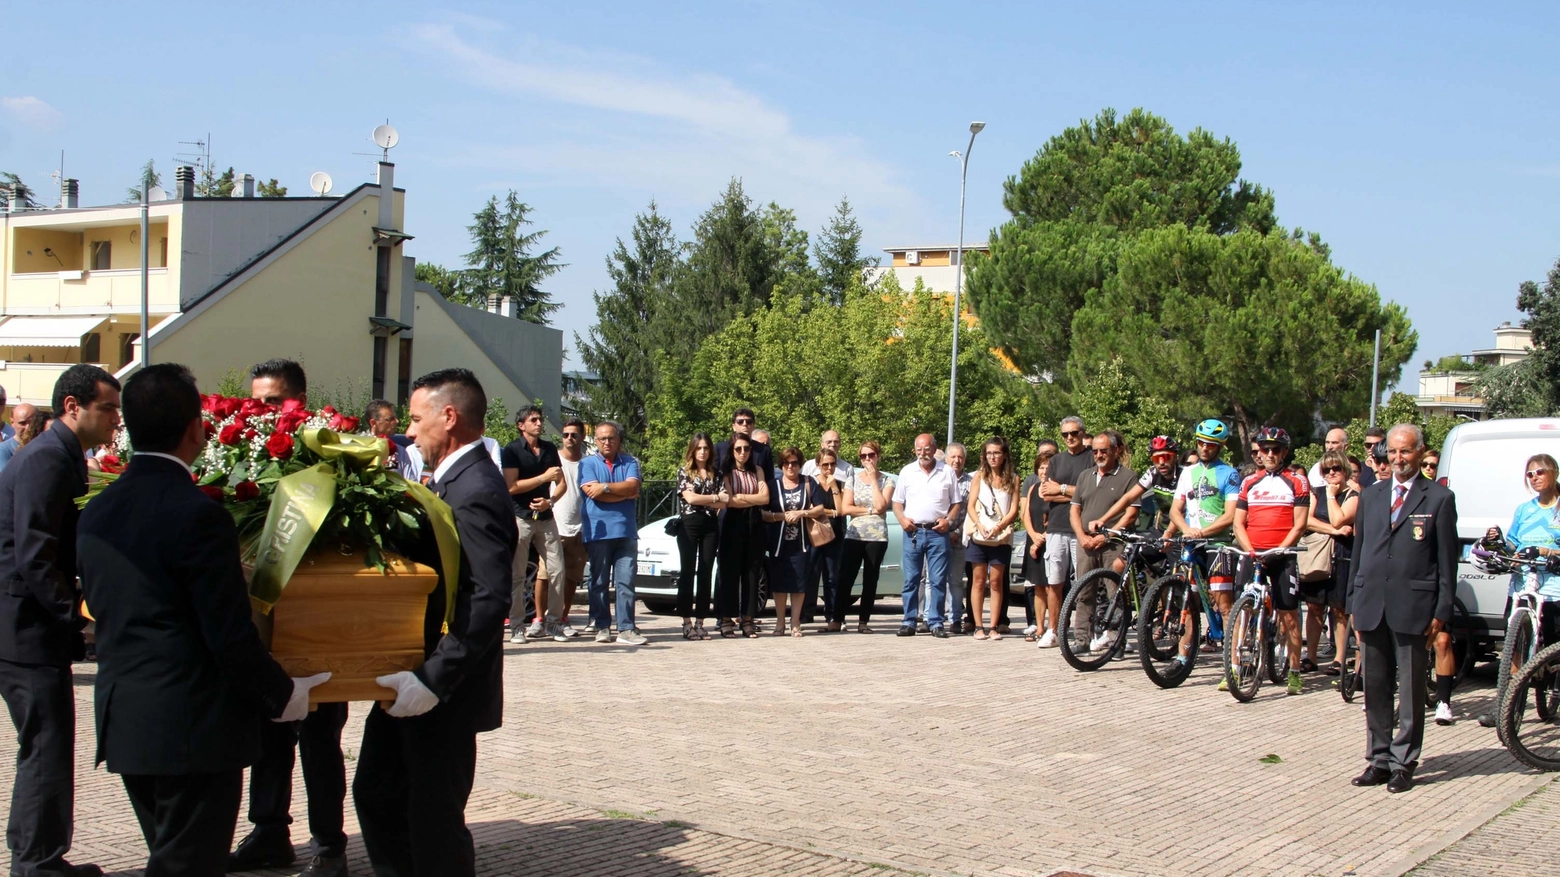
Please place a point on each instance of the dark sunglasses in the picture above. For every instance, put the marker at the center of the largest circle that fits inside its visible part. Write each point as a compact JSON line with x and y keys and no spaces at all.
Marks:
{"x":743,"y":421}
{"x":1102,"y":453}
{"x":869,"y":456}
{"x":1275,"y":449}
{"x":1429,"y":465}
{"x":1331,"y":469}
{"x":574,"y":435}
{"x":1534,"y":473}
{"x":741,"y":449}
{"x":1071,"y":433}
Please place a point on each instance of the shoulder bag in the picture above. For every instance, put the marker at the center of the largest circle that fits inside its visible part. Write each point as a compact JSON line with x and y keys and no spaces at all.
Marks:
{"x":1316,"y":557}
{"x":1003,"y":536}
{"x":820,"y":531}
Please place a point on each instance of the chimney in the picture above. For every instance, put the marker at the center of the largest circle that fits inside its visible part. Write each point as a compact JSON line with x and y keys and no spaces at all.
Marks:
{"x":184,"y":182}
{"x":245,"y":186}
{"x":70,"y":193}
{"x":512,"y":306}
{"x":386,"y":195}
{"x":14,"y":203}
{"x":495,"y":303}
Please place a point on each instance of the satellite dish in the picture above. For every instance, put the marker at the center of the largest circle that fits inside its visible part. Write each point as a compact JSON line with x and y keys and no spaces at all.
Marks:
{"x":386,"y":137}
{"x":156,"y":193}
{"x":319,"y":181}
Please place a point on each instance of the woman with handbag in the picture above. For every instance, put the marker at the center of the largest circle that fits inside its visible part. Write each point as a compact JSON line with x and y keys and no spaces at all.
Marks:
{"x":823,"y":563}
{"x":741,"y":539}
{"x":700,"y":498}
{"x":795,"y":526}
{"x":1324,"y":568}
{"x":866,"y":498}
{"x":992,"y":510}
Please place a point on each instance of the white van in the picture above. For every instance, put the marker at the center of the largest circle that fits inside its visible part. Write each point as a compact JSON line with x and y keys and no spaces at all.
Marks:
{"x":1483,"y":465}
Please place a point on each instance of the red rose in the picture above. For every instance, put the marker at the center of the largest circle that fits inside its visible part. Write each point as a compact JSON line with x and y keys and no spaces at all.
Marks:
{"x":212,"y":491}
{"x":227,"y":406}
{"x":208,"y":403}
{"x":291,"y":405}
{"x":244,"y":491}
{"x":329,"y":411}
{"x":253,"y":408}
{"x":348,"y":424}
{"x":249,"y":434}
{"x":289,"y":421}
{"x":279,"y":445}
{"x":211,"y":428}
{"x":231,"y":434}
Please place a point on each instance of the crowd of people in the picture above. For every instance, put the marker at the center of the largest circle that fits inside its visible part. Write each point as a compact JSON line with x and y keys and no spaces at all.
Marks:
{"x":190,"y":686}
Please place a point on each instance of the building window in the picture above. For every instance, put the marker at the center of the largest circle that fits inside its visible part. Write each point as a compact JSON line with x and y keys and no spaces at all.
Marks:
{"x":403,"y":382}
{"x":164,"y":249}
{"x":127,"y":348}
{"x":92,"y":348}
{"x":381,"y":350}
{"x":102,"y":255}
{"x":382,"y":283}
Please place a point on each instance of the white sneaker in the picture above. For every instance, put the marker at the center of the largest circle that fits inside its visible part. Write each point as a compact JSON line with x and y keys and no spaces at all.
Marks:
{"x":555,"y":631}
{"x":589,"y":630}
{"x":603,"y":636}
{"x":1031,"y":630}
{"x":631,"y":637}
{"x":568,"y":630}
{"x":518,"y":637}
{"x":1098,"y":642}
{"x":535,"y":631}
{"x":1048,"y":641}
{"x":1443,"y":713}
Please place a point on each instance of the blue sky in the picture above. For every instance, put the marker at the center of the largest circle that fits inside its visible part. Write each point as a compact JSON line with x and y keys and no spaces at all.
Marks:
{"x":1422,"y":144}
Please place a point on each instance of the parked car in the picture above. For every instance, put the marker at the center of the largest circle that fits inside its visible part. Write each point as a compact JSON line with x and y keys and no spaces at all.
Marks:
{"x":655,"y":581}
{"x":1482,"y":464}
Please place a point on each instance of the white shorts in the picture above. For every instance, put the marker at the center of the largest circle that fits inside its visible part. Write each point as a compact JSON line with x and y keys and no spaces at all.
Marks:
{"x":1061,"y":557}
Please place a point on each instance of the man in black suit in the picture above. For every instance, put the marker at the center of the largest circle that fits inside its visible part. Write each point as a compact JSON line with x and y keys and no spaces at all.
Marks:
{"x":183,"y":679}
{"x":419,"y":757}
{"x":744,"y":422}
{"x":316,"y":740}
{"x":1405,"y":578}
{"x":40,"y":624}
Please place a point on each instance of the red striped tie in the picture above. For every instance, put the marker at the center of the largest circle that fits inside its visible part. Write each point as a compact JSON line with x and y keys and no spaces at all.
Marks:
{"x":1400,"y":491}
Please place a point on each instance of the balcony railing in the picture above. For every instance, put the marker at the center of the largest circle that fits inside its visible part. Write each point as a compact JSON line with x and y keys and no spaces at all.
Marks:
{"x":32,"y":381}
{"x":89,"y":292}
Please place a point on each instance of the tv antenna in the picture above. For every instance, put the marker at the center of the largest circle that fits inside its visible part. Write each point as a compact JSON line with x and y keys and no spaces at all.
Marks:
{"x":199,"y":157}
{"x":386,"y":137}
{"x":319,"y":181}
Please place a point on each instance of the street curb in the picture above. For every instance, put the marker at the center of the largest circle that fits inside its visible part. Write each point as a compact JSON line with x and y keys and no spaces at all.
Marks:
{"x":1428,"y":850}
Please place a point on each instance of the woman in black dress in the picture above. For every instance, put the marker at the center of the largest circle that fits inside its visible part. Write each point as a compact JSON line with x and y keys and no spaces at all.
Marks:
{"x":741,"y":539}
{"x":700,"y":499}
{"x":794,"y":500}
{"x":1332,"y":513}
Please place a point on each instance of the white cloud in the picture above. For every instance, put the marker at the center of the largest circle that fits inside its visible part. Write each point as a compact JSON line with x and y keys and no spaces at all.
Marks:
{"x":635,"y":125}
{"x":33,"y":112}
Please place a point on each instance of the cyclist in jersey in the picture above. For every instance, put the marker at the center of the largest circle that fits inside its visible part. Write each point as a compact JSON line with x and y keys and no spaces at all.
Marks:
{"x":1204,"y":508}
{"x":1271,"y":512}
{"x":1160,"y":479}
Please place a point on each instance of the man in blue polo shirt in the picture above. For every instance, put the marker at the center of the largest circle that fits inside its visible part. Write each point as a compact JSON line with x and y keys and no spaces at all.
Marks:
{"x":610,"y":482}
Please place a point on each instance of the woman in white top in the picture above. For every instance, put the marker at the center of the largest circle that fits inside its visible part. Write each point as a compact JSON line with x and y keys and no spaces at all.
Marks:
{"x":865,"y":498}
{"x":992,"y":508}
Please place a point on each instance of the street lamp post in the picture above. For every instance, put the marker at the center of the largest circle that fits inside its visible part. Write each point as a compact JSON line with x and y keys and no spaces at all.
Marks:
{"x":958,"y":279}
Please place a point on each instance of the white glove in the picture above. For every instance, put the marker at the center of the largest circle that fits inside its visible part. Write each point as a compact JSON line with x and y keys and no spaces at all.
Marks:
{"x":298,"y":705}
{"x":412,"y":698}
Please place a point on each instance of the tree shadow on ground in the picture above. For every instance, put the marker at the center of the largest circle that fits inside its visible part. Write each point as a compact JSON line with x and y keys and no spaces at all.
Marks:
{"x":558,"y":848}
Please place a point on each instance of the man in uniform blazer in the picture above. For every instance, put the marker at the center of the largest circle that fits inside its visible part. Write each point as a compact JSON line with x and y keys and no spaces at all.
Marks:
{"x":183,"y":681}
{"x":1404,"y":582}
{"x":40,"y":627}
{"x":419,"y":757}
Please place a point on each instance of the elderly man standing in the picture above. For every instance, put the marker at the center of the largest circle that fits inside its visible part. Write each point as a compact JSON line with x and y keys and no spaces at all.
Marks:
{"x":927,"y":503}
{"x":8,"y":448}
{"x":1337,"y":439}
{"x":956,"y":606}
{"x":1095,"y":492}
{"x":842,"y":468}
{"x":610,"y":482}
{"x":1401,"y":593}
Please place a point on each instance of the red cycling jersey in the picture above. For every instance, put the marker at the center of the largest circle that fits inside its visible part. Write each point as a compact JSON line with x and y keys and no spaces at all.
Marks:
{"x":1269,"y":499}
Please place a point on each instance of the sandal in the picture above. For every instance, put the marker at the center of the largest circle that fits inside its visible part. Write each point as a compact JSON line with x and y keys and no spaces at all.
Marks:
{"x":779,"y":629}
{"x":1029,"y":637}
{"x":728,"y":628}
{"x":863,"y":628}
{"x":750,"y":630}
{"x":687,"y":629}
{"x":996,"y":633}
{"x":796,"y":630}
{"x":1307,"y":665}
{"x":982,"y":634}
{"x":832,"y":627}
{"x":1333,"y":669}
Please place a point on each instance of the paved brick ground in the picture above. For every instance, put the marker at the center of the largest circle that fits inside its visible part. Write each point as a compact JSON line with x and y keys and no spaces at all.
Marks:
{"x":1519,"y":841}
{"x":847,"y":754}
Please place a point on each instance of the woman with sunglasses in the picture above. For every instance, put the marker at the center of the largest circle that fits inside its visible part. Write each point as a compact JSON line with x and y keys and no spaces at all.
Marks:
{"x":865,"y":498}
{"x":1332,"y":513}
{"x":794,"y":501}
{"x":1041,"y":616}
{"x":741,"y":538}
{"x":823,"y":564}
{"x":700,"y":498}
{"x":1535,"y":530}
{"x":993,"y":508}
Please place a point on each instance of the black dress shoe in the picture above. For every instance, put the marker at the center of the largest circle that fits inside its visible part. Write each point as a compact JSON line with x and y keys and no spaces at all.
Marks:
{"x":1401,"y":781}
{"x":257,"y":851}
{"x":325,"y":866}
{"x":940,"y":632}
{"x":87,"y":870}
{"x":1373,"y":776}
{"x":907,"y":630}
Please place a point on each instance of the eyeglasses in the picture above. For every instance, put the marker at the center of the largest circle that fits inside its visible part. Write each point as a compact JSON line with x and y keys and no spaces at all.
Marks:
{"x":741,"y":449}
{"x":573,"y":435}
{"x":605,"y":438}
{"x":1071,"y":433}
{"x":869,"y":455}
{"x":1429,"y":465}
{"x":1331,"y":469}
{"x":1534,"y":473}
{"x":1369,"y":445}
{"x":1273,"y":449}
{"x":1102,"y":453}
{"x":743,"y":421}
{"x":789,"y":463}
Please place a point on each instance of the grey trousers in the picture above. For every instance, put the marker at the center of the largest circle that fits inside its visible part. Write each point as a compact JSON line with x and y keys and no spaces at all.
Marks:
{"x":549,"y":547}
{"x":1394,"y":660}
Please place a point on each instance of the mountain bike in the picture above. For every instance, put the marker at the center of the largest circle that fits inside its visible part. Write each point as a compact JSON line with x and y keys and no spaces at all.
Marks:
{"x":1251,"y":649}
{"x":1102,"y":636}
{"x":1351,"y":679}
{"x":1172,"y":615}
{"x":1533,"y":739}
{"x":1524,"y":623}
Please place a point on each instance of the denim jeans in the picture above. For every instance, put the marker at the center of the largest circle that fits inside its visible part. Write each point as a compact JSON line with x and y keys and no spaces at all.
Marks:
{"x":929,"y":549}
{"x":612,"y":560}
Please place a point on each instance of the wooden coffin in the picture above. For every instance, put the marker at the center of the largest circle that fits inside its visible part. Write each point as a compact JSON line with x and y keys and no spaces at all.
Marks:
{"x":340,"y":615}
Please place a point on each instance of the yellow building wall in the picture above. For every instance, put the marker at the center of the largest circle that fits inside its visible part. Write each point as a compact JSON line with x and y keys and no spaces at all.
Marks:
{"x":312,"y":304}
{"x":125,"y":244}
{"x":439,"y":343}
{"x":27,"y":255}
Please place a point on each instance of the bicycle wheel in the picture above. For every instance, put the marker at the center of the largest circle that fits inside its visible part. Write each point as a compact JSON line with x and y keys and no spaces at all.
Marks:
{"x":1168,"y":614}
{"x":1275,"y":652}
{"x":1349,"y":677}
{"x":1243,"y":649}
{"x":1533,"y":739}
{"x":1079,"y":635}
{"x":1520,"y":646}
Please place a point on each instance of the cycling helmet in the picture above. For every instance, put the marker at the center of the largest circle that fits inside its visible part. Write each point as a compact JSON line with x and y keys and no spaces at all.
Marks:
{"x":1378,"y":452}
{"x":1487,"y":561}
{"x":1211,"y":430}
{"x":1272,"y":435}
{"x":1163,"y":444}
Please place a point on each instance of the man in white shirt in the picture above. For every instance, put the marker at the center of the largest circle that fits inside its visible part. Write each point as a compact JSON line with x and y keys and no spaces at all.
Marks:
{"x":566,"y":513}
{"x":830,"y":442}
{"x":411,"y":460}
{"x":954,"y":607}
{"x":927,"y":503}
{"x":1337,"y":440}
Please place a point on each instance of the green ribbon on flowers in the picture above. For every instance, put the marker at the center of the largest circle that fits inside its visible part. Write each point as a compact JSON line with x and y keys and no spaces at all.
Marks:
{"x":364,"y":450}
{"x":442,"y":518}
{"x":298,"y":509}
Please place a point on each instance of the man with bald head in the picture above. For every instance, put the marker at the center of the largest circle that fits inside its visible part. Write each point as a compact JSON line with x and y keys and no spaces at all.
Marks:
{"x":1337,"y":440}
{"x":19,"y":415}
{"x":928,"y":505}
{"x":830,"y":441}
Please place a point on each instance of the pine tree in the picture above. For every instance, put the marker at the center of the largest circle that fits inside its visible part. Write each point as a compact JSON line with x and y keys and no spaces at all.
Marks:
{"x":838,"y":252}
{"x":210,"y":185}
{"x":149,"y":178}
{"x":501,"y":262}
{"x":272,"y":189}
{"x":10,"y":182}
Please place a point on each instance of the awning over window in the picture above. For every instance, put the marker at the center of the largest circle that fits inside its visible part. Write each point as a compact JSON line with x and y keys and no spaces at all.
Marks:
{"x":47,"y":331}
